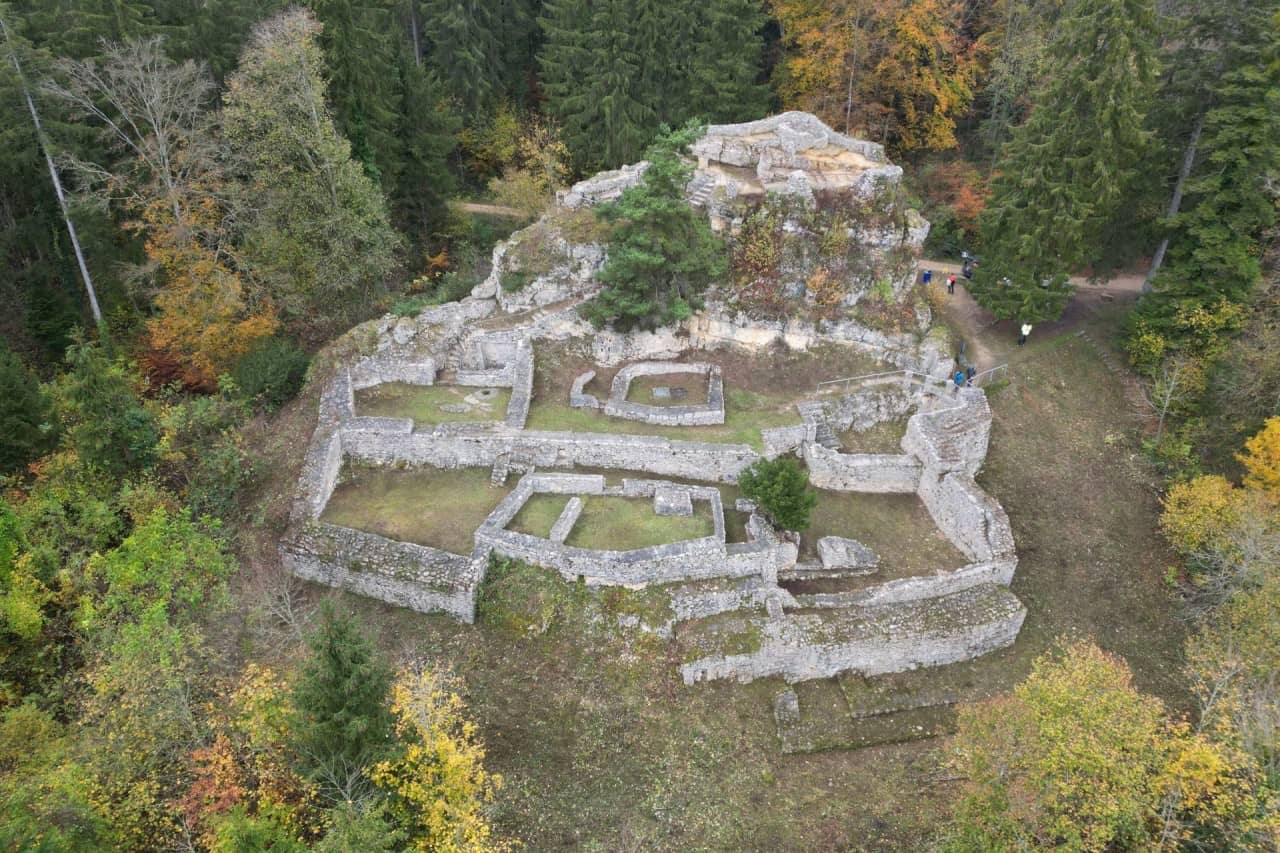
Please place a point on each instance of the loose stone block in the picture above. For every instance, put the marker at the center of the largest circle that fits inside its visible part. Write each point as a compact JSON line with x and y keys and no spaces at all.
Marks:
{"x":839,"y":553}
{"x":744,"y":505}
{"x":668,"y":500}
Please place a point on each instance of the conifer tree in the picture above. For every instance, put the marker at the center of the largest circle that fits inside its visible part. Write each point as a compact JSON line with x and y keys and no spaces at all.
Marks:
{"x":463,"y":49}
{"x":1231,"y":91}
{"x":1063,"y":172}
{"x":724,"y":82}
{"x":663,"y":253}
{"x":22,"y":411}
{"x":344,"y":722}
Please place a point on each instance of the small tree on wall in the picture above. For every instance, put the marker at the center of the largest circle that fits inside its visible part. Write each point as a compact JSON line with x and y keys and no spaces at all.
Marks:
{"x":780,"y":487}
{"x":663,"y":253}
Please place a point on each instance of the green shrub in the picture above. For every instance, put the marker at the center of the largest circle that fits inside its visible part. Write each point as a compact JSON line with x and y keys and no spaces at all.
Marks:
{"x":513,"y":280}
{"x":272,"y":373}
{"x":781,"y":489}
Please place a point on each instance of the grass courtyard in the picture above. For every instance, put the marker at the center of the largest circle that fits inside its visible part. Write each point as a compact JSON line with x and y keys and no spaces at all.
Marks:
{"x":433,"y":404}
{"x":435,"y":507}
{"x":625,"y":524}
{"x":694,"y":386}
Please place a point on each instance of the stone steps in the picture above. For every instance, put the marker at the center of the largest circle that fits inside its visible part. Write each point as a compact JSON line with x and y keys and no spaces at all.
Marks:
{"x":814,"y":413}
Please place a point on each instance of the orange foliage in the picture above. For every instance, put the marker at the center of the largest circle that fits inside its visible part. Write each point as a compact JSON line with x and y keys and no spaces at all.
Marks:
{"x":897,"y":71}
{"x":204,"y":321}
{"x":218,"y":785}
{"x":960,"y":186}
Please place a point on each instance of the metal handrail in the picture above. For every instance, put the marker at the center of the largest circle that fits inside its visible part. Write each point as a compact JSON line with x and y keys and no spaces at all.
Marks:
{"x":910,"y":375}
{"x":989,"y":373}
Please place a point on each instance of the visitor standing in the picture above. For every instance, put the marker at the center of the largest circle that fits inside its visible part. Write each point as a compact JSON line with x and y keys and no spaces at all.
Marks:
{"x":958,"y":379}
{"x":1026,"y":330}
{"x":928,"y":277}
{"x":951,"y":283}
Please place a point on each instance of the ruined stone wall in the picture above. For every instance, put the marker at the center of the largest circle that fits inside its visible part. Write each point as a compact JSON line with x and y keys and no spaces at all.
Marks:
{"x":706,"y":414}
{"x":952,"y":432}
{"x":969,"y":517}
{"x":521,"y":385}
{"x":400,"y":573}
{"x":861,"y":472}
{"x":917,"y":588}
{"x":652,"y":454}
{"x":871,"y":640}
{"x":863,"y":409}
{"x":375,"y":370}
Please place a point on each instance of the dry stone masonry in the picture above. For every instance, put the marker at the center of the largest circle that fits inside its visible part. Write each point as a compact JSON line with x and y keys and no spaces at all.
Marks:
{"x":741,"y":623}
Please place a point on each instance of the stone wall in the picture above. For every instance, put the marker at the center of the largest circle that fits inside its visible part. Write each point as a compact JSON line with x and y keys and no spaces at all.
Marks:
{"x":952,"y":432}
{"x":374,"y":370}
{"x":521,"y":385}
{"x":706,"y":414}
{"x":401,"y":573}
{"x":869,"y":640}
{"x":917,"y":588}
{"x":969,"y":517}
{"x":861,"y":472}
{"x":862,"y":409}
{"x":652,"y":454}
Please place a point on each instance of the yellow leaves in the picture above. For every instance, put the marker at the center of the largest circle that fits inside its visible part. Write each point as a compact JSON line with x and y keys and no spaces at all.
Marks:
{"x":897,"y":71}
{"x":1261,"y":459}
{"x":439,"y":783}
{"x":1198,"y":512}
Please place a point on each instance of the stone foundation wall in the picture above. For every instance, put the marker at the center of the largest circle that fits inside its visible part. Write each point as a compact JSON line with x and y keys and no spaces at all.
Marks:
{"x":872,"y":640}
{"x":706,"y":414}
{"x":652,"y":454}
{"x":918,"y":588}
{"x":861,"y":472}
{"x":375,"y":370}
{"x":952,"y":433}
{"x":401,"y":573}
{"x":861,"y":410}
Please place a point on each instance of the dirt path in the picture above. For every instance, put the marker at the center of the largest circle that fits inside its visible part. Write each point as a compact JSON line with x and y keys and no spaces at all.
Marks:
{"x":991,"y":342}
{"x":489,"y":209}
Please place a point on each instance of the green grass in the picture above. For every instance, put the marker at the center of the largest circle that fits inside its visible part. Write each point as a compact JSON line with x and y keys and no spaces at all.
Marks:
{"x":434,"y":507}
{"x":640,"y":390}
{"x":423,"y":403}
{"x":539,"y":514}
{"x":885,"y":437}
{"x":624,"y":524}
{"x":897,"y":527}
{"x":746,"y":413}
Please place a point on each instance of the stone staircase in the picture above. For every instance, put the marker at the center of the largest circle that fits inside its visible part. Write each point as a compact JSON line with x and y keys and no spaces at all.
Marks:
{"x":699,"y":190}
{"x":815,"y":414}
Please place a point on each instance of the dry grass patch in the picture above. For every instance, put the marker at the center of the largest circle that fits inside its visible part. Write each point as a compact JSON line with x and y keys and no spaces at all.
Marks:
{"x":624,"y":524}
{"x":430,"y":506}
{"x":433,"y":404}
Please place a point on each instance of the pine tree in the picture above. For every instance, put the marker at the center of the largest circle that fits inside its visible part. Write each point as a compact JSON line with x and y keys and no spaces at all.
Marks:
{"x":663,"y":253}
{"x":426,"y":137}
{"x":344,"y":722}
{"x":1064,"y":171}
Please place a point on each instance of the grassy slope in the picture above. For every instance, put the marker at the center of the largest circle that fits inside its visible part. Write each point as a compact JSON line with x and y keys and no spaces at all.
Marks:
{"x":604,"y":749}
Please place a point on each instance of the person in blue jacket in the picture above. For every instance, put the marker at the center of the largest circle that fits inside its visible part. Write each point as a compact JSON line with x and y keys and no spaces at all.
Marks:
{"x":958,"y":379}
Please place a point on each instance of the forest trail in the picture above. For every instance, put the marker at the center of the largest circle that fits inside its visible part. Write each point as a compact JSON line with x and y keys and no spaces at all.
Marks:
{"x":489,"y":209}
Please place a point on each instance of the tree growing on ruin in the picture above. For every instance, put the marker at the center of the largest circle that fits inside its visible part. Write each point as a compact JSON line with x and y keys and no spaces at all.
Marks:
{"x":780,"y":487}
{"x":663,"y":254}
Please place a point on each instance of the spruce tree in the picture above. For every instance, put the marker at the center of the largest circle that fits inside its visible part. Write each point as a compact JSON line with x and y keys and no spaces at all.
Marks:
{"x":343,"y":719}
{"x":591,"y":73}
{"x":663,"y":253}
{"x":359,"y":46}
{"x":23,"y":410}
{"x":725,"y":70}
{"x":1062,"y":175}
{"x":1231,"y":91}
{"x":463,"y":50}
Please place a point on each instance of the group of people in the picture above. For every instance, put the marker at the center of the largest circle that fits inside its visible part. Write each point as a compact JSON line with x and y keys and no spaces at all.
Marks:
{"x":951,"y":280}
{"x":967,"y":270}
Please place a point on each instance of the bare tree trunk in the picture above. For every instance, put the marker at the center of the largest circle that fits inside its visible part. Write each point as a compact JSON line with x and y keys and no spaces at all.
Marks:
{"x":57,"y":182}
{"x":1188,"y":160}
{"x":413,"y":24}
